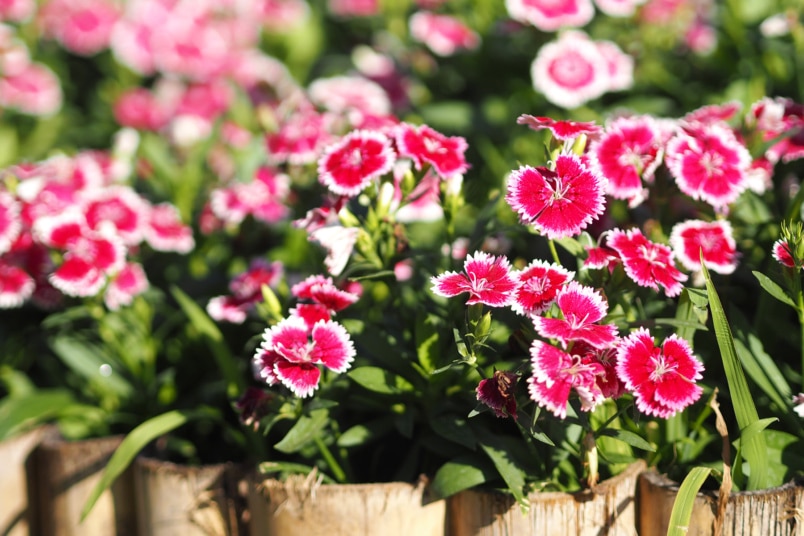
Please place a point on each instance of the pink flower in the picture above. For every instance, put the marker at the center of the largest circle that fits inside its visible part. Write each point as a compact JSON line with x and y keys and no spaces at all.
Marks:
{"x":620,"y":66}
{"x":562,"y":130}
{"x":628,"y":152}
{"x":193,"y":47}
{"x":709,"y":163}
{"x":605,"y":363}
{"x":263,"y":198}
{"x":10,"y":222}
{"x":291,"y":353}
{"x":16,"y":285}
{"x":165,"y":230}
{"x":538,"y":284}
{"x":81,"y":26}
{"x":781,"y":252}
{"x":119,"y":207}
{"x":246,"y":291}
{"x":487,"y":279}
{"x":348,"y":166}
{"x":342,"y":94}
{"x":139,"y":108}
{"x":647,"y":263}
{"x":688,"y":239}
{"x":424,"y":145}
{"x":581,"y":307}
{"x":662,"y":378}
{"x":34,"y":90}
{"x":282,"y":15}
{"x":599,"y":257}
{"x":498,"y":393}
{"x":558,"y":203}
{"x":339,"y":241}
{"x":322,"y":291}
{"x":618,"y":8}
{"x":127,"y":283}
{"x":556,"y":373}
{"x":353,"y":8}
{"x":551,"y":15}
{"x":17,"y":10}
{"x":570,"y":71}
{"x":299,"y":138}
{"x":443,"y":34}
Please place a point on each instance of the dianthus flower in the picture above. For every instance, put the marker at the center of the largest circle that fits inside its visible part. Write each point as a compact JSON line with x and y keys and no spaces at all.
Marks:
{"x":538,"y":284}
{"x":348,"y":166}
{"x":647,"y":263}
{"x":551,"y":15}
{"x":688,"y":239}
{"x":581,"y":308}
{"x":498,"y":393}
{"x":487,"y":279}
{"x":425,"y":145}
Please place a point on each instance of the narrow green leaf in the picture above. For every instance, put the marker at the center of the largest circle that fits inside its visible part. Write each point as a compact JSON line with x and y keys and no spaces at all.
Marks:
{"x":86,"y":360}
{"x":361,"y":434}
{"x":755,"y":428}
{"x":462,"y":473}
{"x":380,"y":380}
{"x":628,"y":437}
{"x":133,"y":443}
{"x":753,"y":449}
{"x":685,"y":500}
{"x":235,"y":381}
{"x":304,"y":431}
{"x":17,"y":412}
{"x":757,"y":372}
{"x":774,"y":289}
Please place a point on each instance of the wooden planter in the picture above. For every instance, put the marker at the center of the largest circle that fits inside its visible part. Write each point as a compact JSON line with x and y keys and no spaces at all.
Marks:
{"x":773,"y":512}
{"x":187,"y":500}
{"x":303,"y":507}
{"x":609,"y":509}
{"x":65,"y":474}
{"x":18,"y":506}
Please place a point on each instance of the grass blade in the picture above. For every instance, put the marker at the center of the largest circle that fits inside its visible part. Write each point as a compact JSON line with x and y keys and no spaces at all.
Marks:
{"x":685,"y":500}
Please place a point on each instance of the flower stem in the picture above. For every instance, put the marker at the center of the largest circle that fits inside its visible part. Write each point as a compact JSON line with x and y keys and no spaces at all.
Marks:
{"x":334,"y":466}
{"x":554,"y":252}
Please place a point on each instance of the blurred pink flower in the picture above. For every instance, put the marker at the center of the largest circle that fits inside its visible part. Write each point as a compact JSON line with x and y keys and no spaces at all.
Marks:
{"x":165,"y":230}
{"x":551,"y":15}
{"x":353,"y":8}
{"x":561,"y":130}
{"x":35,"y":90}
{"x":81,"y":26}
{"x":443,"y":34}
{"x":127,"y":283}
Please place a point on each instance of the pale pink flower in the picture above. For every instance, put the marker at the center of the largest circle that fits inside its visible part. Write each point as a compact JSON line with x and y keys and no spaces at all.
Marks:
{"x":127,"y":283}
{"x":487,"y":279}
{"x":627,"y":153}
{"x":423,"y":203}
{"x":664,"y":378}
{"x":709,"y":163}
{"x":139,"y":108}
{"x":425,"y":145}
{"x":499,"y":393}
{"x":291,"y":353}
{"x":193,"y":47}
{"x":551,"y":15}
{"x":353,"y":8}
{"x":570,"y":71}
{"x":620,"y":66}
{"x":443,"y":34}
{"x":16,"y":285}
{"x":618,"y":8}
{"x":558,"y":203}
{"x":35,"y":90}
{"x":81,"y":26}
{"x":282,"y":15}
{"x":263,"y":198}
{"x":714,"y":239}
{"x":646,"y":263}
{"x":299,"y":139}
{"x":713,"y":113}
{"x":10,"y":221}
{"x":538,"y":284}
{"x":701,"y":37}
{"x":556,"y":373}
{"x":246,"y":291}
{"x":165,"y":230}
{"x":339,"y":242}
{"x":580,"y":308}
{"x":17,"y":10}
{"x":348,"y":166}
{"x":342,"y":94}
{"x":14,"y":55}
{"x":561,"y":130}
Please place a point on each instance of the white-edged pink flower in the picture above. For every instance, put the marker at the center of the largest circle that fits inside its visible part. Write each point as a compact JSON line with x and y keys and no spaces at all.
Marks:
{"x":551,"y":15}
{"x":263,"y":198}
{"x":127,"y":283}
{"x":343,"y":94}
{"x":321,"y":290}
{"x":620,"y":66}
{"x":139,"y":108}
{"x":348,"y":166}
{"x":119,"y":207}
{"x":443,"y":34}
{"x":16,"y":285}
{"x":664,"y":378}
{"x":539,"y":282}
{"x":558,"y":203}
{"x":581,"y":307}
{"x":781,"y":252}
{"x":627,"y":153}
{"x":570,"y":71}
{"x":487,"y":279}
{"x":291,"y":353}
{"x":81,"y":26}
{"x":34,"y":90}
{"x":646,"y":263}
{"x":299,"y":138}
{"x":246,"y":291}
{"x":165,"y":230}
{"x":17,"y":10}
{"x":561,"y":130}
{"x":425,"y":145}
{"x":10,"y":222}
{"x":709,"y":163}
{"x":339,"y":242}
{"x":714,"y":239}
{"x":556,"y":373}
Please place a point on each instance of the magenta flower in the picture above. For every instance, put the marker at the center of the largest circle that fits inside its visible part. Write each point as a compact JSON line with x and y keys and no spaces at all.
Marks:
{"x":781,"y":252}
{"x":487,"y":279}
{"x":647,"y":263}
{"x":662,"y":378}
{"x":350,"y":94}
{"x":570,"y":71}
{"x":321,"y":290}
{"x":628,"y":152}
{"x":16,"y":285}
{"x":246,"y":291}
{"x":348,"y":166}
{"x":562,"y":130}
{"x":119,"y":206}
{"x":538,"y":284}
{"x":709,"y":163}
{"x":551,"y":15}
{"x":498,"y":393}
{"x":424,"y":145}
{"x":127,"y":283}
{"x":291,"y":353}
{"x":558,"y":203}
{"x":165,"y":230}
{"x":605,"y":362}
{"x":688,"y":239}
{"x":10,"y":223}
{"x":556,"y":373}
{"x":300,"y":137}
{"x":581,"y":308}
{"x":443,"y":34}
{"x":599,"y":257}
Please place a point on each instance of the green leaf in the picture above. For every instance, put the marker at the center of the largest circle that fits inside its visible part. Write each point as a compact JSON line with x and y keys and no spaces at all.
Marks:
{"x":628,"y":437}
{"x":87,"y":360}
{"x":698,"y":297}
{"x":289,"y":468}
{"x":459,"y":474}
{"x":235,"y":381}
{"x":17,"y":412}
{"x":753,"y":449}
{"x":134,"y":442}
{"x":755,"y":428}
{"x":380,"y":380}
{"x":361,"y":434}
{"x":685,"y":500}
{"x":763,"y":371}
{"x":428,"y":350}
{"x":772,"y":288}
{"x":455,"y":429}
{"x":304,"y":431}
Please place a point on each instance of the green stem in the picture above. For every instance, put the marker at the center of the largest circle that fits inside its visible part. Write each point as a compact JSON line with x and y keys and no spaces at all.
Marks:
{"x":554,"y":252}
{"x":334,"y":466}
